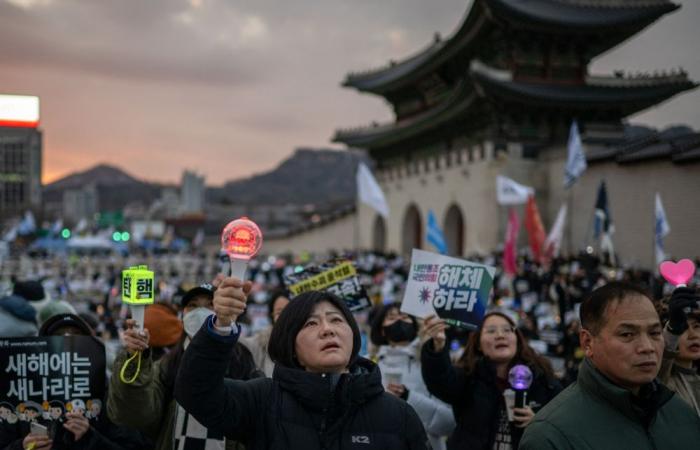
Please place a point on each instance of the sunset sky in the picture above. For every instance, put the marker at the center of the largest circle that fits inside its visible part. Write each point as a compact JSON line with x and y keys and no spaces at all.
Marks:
{"x":230,"y":88}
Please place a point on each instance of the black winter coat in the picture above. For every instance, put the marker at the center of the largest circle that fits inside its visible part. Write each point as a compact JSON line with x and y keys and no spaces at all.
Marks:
{"x":295,"y":409}
{"x":476,"y":400}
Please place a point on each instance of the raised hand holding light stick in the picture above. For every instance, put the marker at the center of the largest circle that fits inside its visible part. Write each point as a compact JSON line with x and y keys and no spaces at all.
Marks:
{"x":241,"y":240}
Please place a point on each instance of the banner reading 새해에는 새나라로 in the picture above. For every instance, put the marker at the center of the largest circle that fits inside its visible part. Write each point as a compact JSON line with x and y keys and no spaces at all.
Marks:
{"x":42,"y":378}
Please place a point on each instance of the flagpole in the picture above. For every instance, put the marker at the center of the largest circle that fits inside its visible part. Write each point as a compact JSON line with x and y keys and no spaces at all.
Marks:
{"x":356,"y":226}
{"x":589,"y":228}
{"x":574,"y":168}
{"x":358,"y":201}
{"x":654,"y":262}
{"x":570,"y":222}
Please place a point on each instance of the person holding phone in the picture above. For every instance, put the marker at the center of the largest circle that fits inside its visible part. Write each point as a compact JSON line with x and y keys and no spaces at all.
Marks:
{"x":71,"y":430}
{"x":38,"y":438}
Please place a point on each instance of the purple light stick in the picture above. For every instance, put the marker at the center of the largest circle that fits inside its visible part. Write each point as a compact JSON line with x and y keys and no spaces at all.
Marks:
{"x":520,"y":379}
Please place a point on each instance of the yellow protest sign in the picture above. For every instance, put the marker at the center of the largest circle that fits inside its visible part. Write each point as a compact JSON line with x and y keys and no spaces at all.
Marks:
{"x":324,"y":279}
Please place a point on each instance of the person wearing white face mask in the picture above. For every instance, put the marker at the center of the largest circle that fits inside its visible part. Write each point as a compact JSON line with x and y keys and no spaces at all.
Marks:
{"x":148,"y":403}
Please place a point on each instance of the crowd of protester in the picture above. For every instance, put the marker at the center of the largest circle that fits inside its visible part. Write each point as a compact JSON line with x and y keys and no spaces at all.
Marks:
{"x":388,"y":380}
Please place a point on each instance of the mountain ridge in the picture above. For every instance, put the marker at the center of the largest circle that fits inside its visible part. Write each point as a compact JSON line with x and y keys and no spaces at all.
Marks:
{"x":318,"y":176}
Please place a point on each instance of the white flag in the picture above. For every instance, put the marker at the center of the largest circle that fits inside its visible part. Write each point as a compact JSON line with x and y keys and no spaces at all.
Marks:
{"x":509,"y":192}
{"x":576,"y":159}
{"x":552,"y":244}
{"x":369,"y":192}
{"x":57,"y":227}
{"x":661,"y":229}
{"x":198,"y":238}
{"x":11,"y":235}
{"x":81,"y":226}
{"x":27,"y":225}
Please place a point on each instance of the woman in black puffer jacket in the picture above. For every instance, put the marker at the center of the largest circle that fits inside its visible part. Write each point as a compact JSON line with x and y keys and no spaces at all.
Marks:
{"x":321,"y":395}
{"x":475,"y":386}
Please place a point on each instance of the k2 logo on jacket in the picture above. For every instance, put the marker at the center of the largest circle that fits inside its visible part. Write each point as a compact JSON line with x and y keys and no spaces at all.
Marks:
{"x":359,"y":439}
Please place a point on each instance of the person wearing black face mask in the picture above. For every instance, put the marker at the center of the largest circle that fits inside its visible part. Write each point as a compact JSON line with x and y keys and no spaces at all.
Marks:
{"x":401,"y":331}
{"x":395,"y":335}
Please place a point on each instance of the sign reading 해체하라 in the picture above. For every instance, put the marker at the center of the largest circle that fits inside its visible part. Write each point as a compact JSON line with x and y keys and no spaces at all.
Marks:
{"x":337,"y":277}
{"x":451,"y":288}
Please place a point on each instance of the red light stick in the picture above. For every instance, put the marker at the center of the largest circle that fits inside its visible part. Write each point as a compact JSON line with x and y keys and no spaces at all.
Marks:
{"x":241,"y":240}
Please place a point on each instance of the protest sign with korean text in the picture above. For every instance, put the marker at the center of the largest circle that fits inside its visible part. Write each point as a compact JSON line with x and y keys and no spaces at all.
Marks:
{"x":45,"y":377}
{"x":454,"y":289}
{"x":138,"y":286}
{"x":337,"y":277}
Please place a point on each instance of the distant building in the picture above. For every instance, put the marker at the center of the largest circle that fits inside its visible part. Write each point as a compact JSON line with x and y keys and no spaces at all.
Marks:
{"x":80,"y":204}
{"x":192,"y":193}
{"x":20,"y":155}
{"x":170,"y":201}
{"x":497,"y":97}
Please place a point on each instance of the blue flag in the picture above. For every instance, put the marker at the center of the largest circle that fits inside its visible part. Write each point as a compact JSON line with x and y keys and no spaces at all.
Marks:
{"x":435,"y":237}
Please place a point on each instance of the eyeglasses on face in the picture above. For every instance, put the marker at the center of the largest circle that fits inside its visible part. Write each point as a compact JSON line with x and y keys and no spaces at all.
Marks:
{"x":505,"y":329}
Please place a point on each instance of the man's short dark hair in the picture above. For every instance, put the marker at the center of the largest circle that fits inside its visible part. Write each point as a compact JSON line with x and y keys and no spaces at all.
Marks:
{"x":293,"y":318}
{"x":595,"y":305}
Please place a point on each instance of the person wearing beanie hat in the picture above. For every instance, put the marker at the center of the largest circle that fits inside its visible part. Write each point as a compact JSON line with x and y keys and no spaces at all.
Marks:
{"x":53,"y":308}
{"x":65,"y":324}
{"x":33,"y":292}
{"x":17,"y":317}
{"x":164,"y":326}
{"x":148,"y":403}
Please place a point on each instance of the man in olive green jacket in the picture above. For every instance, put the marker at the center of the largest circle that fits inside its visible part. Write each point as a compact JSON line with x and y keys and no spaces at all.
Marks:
{"x":146,"y":400}
{"x":616,"y":402}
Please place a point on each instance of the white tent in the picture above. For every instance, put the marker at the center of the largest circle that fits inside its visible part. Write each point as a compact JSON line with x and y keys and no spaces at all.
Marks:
{"x":90,"y":243}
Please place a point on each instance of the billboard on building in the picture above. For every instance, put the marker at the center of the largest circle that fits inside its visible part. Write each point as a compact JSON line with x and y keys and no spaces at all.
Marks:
{"x":19,"y":111}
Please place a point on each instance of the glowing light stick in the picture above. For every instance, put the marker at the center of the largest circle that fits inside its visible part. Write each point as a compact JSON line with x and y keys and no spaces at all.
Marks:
{"x":678,"y":274}
{"x":138,"y":291}
{"x":520,"y":379}
{"x":241,"y":240}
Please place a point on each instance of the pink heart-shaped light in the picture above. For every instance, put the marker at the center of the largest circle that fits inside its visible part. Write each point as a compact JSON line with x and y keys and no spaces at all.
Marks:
{"x":677,"y":273}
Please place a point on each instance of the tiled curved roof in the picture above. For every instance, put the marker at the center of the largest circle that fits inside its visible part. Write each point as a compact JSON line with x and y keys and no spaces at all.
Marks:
{"x":570,"y":16}
{"x":616,"y":93}
{"x":457,"y":103}
{"x":681,"y":146}
{"x":625,"y":94}
{"x":580,"y":15}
